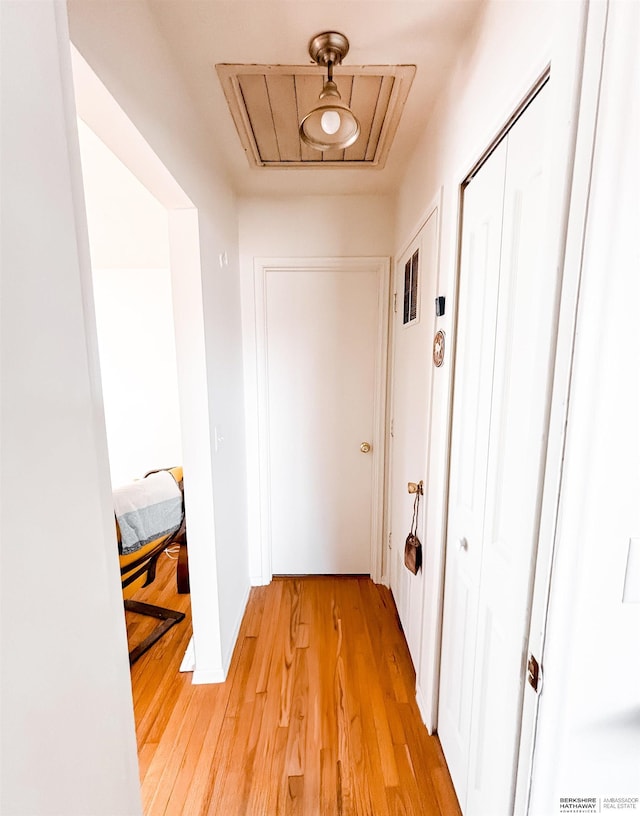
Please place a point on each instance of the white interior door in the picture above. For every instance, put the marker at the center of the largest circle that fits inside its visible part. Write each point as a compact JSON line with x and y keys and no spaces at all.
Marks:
{"x":521,"y":384}
{"x":477,"y":308}
{"x":506,"y":318}
{"x":416,"y":275}
{"x":323,"y":377}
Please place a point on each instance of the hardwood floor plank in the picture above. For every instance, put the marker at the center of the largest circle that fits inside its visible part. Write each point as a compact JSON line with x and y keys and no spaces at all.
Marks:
{"x":322,"y":661}
{"x":445,"y":794}
{"x":374,"y":723}
{"x":294,"y":805}
{"x":296,"y":753}
{"x":145,"y":755}
{"x":360,"y":765}
{"x":427,"y":759}
{"x":267,"y":786}
{"x":268,"y":629}
{"x":221,"y":764}
{"x":252,"y":621}
{"x":199,"y":788}
{"x":291,"y":614}
{"x":273,"y":790}
{"x":317,"y":716}
{"x":394,"y":664}
{"x":187,"y":775}
{"x":158,"y":778}
{"x":232,"y":788}
{"x":396,"y":727}
{"x":408,"y":790}
{"x":239,"y":693}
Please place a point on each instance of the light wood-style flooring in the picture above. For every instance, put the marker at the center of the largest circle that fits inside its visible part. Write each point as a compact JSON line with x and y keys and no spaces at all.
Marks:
{"x":317,"y":716}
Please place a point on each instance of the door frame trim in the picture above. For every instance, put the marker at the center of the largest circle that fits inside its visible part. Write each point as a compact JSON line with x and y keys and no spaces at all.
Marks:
{"x":261,"y":269}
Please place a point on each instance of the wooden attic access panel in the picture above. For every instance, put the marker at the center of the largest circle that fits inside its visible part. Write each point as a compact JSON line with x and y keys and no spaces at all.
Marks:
{"x":267,"y":103}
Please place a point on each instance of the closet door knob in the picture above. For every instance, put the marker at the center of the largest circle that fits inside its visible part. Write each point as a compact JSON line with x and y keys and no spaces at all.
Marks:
{"x":365,"y":447}
{"x":464,"y":544}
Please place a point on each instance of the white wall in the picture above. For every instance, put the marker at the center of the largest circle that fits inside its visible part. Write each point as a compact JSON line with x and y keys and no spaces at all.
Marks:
{"x":134,"y":316}
{"x":506,"y":53}
{"x":68,"y":744}
{"x":304,"y":226}
{"x":128,"y":226}
{"x":129,"y":244}
{"x":589,"y":713}
{"x":124,"y":48}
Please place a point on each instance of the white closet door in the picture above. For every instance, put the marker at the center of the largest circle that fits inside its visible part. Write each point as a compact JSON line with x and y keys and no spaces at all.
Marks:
{"x":480,"y":264}
{"x":526,"y":319}
{"x":505,"y":336}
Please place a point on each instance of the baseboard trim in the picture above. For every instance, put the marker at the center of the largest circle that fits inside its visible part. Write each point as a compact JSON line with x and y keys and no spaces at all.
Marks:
{"x":422,"y":708}
{"x":203,"y":676}
{"x":189,"y":660}
{"x":259,"y":580}
{"x":226,"y":662}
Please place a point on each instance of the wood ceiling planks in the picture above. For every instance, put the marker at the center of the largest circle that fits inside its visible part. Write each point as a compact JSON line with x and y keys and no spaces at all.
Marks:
{"x":267,"y":103}
{"x":258,"y":106}
{"x":282,"y":95}
{"x":366,"y":90}
{"x":382,"y":106}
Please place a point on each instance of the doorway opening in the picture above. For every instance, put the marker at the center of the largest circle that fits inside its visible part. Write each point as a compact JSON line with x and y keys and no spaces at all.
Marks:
{"x":100,"y":111}
{"x":129,"y":246}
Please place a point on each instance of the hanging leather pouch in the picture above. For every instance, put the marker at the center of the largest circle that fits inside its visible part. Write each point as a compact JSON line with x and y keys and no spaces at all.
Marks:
{"x":412,"y":546}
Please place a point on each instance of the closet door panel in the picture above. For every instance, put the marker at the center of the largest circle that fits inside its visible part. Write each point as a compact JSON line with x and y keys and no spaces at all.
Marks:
{"x":477,"y":306}
{"x":517,"y":442}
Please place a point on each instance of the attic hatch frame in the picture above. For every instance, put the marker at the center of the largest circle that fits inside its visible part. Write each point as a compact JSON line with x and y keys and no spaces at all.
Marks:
{"x":395,"y":82}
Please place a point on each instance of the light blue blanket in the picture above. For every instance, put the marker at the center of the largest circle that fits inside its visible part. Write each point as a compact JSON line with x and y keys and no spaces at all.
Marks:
{"x":147,"y":509}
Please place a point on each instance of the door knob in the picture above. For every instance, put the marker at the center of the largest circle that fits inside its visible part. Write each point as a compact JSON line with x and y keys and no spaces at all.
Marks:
{"x":365,"y":447}
{"x":464,"y":544}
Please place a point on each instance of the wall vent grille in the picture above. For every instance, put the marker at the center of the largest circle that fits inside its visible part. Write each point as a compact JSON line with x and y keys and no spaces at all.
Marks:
{"x":410,"y":309}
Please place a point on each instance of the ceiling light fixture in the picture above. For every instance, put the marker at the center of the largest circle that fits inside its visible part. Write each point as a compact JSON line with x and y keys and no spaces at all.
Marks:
{"x":331,"y":124}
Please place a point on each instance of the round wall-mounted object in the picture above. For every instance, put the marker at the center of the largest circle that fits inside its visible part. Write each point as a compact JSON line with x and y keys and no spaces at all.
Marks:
{"x":438,"y":349}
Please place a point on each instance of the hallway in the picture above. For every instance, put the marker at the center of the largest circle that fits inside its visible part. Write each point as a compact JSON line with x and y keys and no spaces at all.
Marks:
{"x":317,"y":716}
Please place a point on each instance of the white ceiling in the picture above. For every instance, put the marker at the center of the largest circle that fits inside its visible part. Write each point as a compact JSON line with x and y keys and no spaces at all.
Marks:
{"x":201,"y":33}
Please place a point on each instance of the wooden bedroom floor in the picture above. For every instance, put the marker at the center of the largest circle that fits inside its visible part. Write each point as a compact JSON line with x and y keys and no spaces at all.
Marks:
{"x":317,"y":716}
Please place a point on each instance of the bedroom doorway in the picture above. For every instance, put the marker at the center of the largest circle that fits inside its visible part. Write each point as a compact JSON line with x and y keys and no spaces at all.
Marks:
{"x":128,"y":232}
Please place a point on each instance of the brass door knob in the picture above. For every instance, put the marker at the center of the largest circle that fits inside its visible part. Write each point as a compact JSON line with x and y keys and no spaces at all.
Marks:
{"x":365,"y":447}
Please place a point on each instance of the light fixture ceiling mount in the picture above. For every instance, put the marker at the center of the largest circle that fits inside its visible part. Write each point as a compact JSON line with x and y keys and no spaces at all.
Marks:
{"x":331,"y":124}
{"x":330,"y":46}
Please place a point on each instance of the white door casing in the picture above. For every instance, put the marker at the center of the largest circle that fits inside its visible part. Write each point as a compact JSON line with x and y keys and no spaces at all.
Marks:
{"x":489,"y":578}
{"x":321,"y":329}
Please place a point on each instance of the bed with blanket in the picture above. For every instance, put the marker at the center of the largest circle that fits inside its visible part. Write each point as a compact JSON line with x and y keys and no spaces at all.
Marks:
{"x":149,"y":516}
